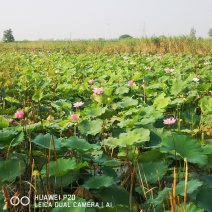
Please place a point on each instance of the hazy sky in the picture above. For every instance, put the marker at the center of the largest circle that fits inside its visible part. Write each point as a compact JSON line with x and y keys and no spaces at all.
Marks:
{"x":87,"y":19}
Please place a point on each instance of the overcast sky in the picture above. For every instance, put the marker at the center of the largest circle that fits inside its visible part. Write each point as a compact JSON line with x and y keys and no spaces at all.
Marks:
{"x":87,"y":19}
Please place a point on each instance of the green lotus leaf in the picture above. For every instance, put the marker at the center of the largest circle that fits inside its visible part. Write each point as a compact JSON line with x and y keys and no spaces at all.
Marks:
{"x":185,"y":147}
{"x":7,"y":111}
{"x":204,"y":87}
{"x":65,"y":180}
{"x":161,"y":101}
{"x":97,"y":182}
{"x":122,"y":90}
{"x":154,"y":86}
{"x":189,"y":207}
{"x":176,"y":102}
{"x":137,"y":75}
{"x":37,"y":95}
{"x":151,"y":155}
{"x":66,"y":123}
{"x":37,"y":126}
{"x":127,"y":102}
{"x":156,"y":135}
{"x":90,"y":127}
{"x":100,"y":159}
{"x":207,"y":179}
{"x":10,"y":169}
{"x":206,"y":104}
{"x":132,"y":137}
{"x":151,"y":114}
{"x":3,"y":123}
{"x":11,"y":99}
{"x":62,"y":166}
{"x":2,"y":203}
{"x":47,"y":141}
{"x":177,"y":87}
{"x":17,"y":139}
{"x":111,"y":142}
{"x":133,"y":111}
{"x":108,"y":91}
{"x":80,"y":145}
{"x":7,"y":135}
{"x":64,"y":88}
{"x":112,"y":163}
{"x":204,"y":199}
{"x":192,"y":186}
{"x":97,"y":98}
{"x":128,"y":122}
{"x":207,"y":149}
{"x":118,"y":195}
{"x":146,"y":121}
{"x":152,"y":171}
{"x":160,"y":197}
{"x":136,"y":136}
{"x":62,"y":105}
{"x":94,"y":112}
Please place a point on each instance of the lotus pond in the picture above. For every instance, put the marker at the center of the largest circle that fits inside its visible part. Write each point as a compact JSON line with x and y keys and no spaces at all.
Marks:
{"x":131,"y":132}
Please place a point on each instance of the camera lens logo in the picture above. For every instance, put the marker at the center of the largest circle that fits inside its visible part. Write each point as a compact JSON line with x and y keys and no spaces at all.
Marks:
{"x":16,"y":200}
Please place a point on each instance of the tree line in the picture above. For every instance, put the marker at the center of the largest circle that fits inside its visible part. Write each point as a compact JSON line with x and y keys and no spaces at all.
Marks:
{"x":8,"y":35}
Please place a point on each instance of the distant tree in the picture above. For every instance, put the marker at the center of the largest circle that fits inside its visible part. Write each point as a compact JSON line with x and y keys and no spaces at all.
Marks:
{"x":192,"y":33}
{"x":210,"y":32}
{"x":8,"y":36}
{"x":156,"y":40}
{"x":125,"y":36}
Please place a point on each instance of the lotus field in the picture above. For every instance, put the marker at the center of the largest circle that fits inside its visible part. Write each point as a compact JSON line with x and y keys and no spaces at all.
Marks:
{"x":116,"y":132}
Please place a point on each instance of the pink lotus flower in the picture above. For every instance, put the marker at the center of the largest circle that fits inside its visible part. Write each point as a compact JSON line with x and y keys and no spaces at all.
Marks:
{"x":169,"y":121}
{"x":98,"y":91}
{"x":91,"y":81}
{"x":19,"y":114}
{"x":78,"y":104}
{"x":74,"y":117}
{"x":130,"y":82}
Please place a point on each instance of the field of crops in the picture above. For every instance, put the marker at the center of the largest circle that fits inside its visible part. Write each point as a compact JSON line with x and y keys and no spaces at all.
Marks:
{"x":120,"y":131}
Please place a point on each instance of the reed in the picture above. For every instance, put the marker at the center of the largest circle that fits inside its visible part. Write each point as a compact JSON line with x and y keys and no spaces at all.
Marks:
{"x":162,"y":45}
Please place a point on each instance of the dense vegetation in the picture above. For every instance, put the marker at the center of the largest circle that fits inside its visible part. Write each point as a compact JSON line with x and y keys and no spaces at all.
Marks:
{"x":131,"y":129}
{"x":153,"y":45}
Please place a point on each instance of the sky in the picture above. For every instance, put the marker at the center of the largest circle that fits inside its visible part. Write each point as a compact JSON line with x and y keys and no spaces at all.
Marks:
{"x":107,"y":19}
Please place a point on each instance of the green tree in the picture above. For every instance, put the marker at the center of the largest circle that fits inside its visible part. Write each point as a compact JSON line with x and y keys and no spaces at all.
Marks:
{"x":8,"y":36}
{"x":210,"y":32}
{"x":125,"y":36}
{"x":192,"y":33}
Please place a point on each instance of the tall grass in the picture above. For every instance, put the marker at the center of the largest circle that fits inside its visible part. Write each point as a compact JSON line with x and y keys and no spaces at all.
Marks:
{"x":162,"y":45}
